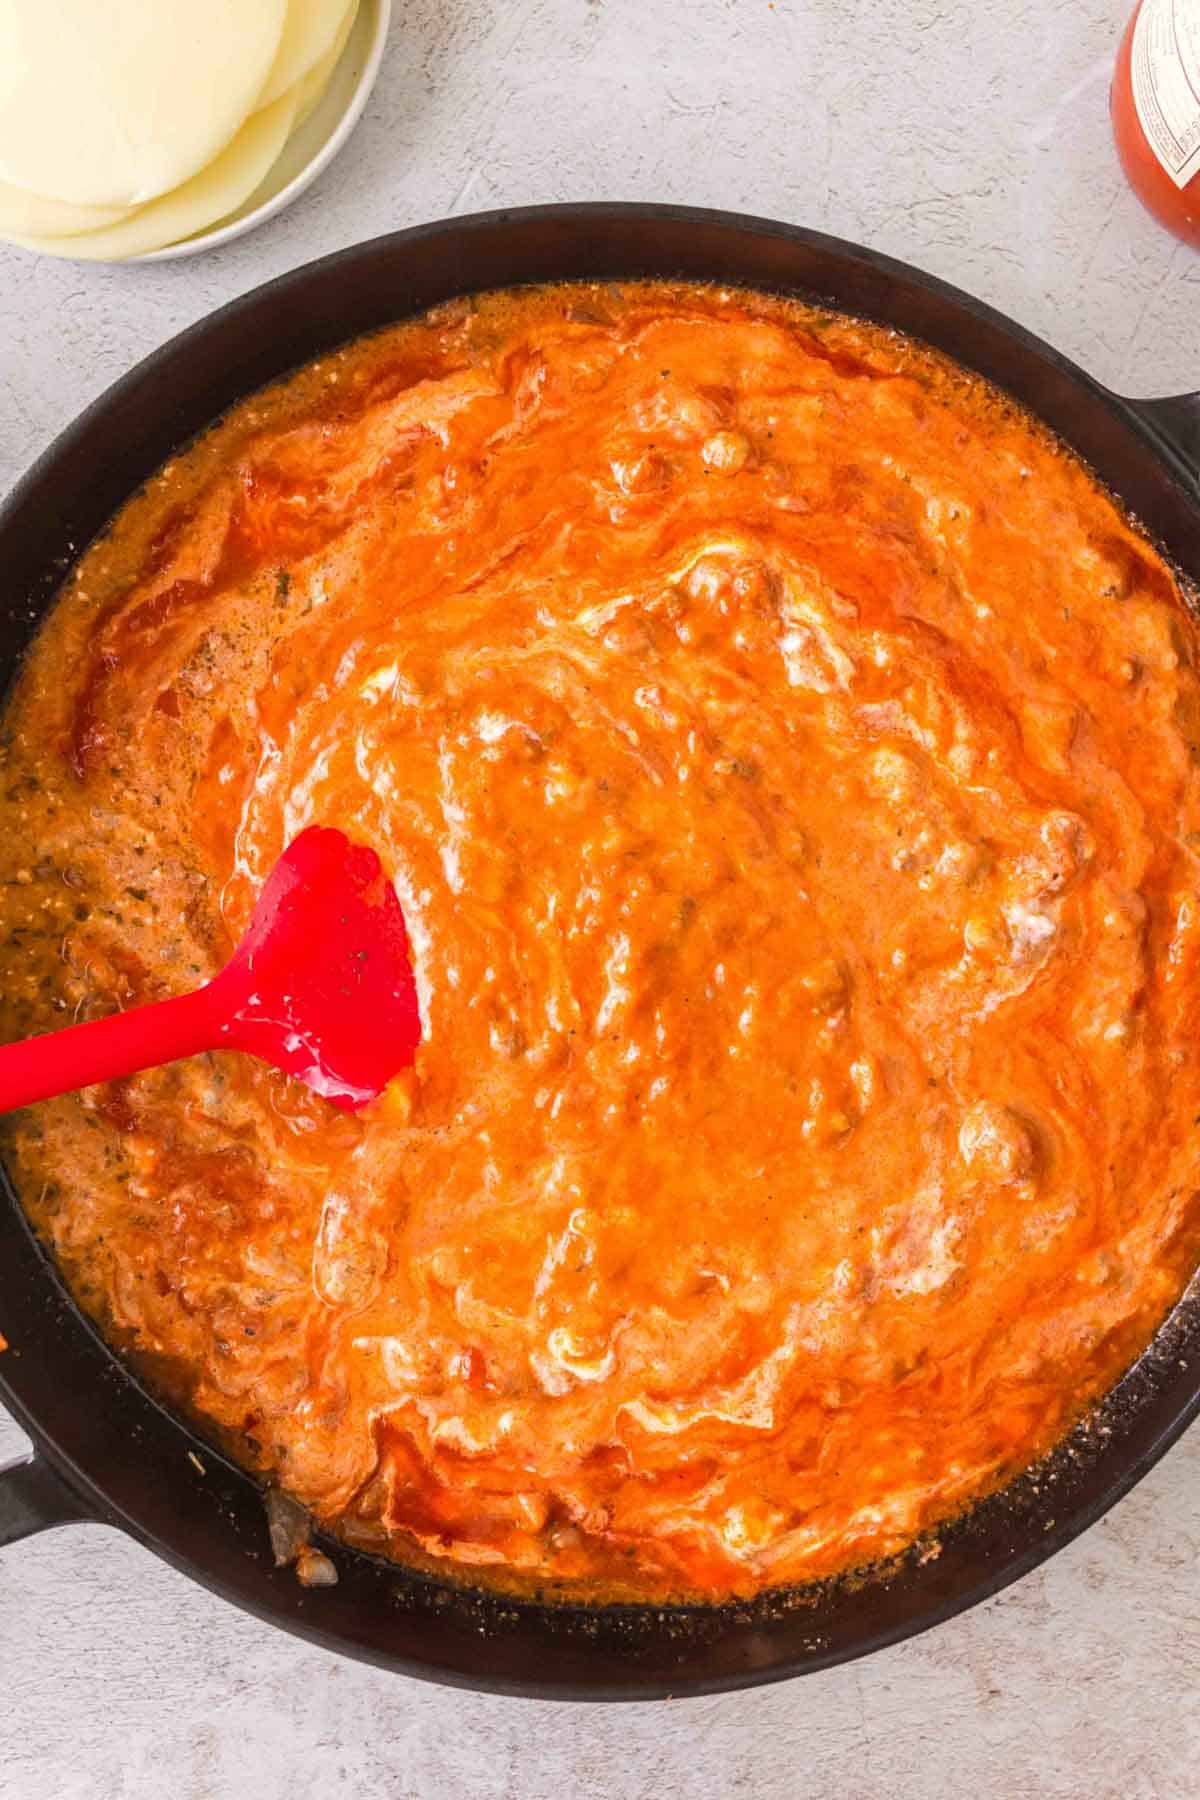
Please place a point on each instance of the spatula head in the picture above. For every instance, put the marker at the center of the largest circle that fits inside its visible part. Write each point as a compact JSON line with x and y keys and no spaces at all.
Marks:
{"x":322,"y":983}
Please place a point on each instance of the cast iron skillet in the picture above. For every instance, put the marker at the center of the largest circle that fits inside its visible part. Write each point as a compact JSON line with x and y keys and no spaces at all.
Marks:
{"x":103,"y":1449}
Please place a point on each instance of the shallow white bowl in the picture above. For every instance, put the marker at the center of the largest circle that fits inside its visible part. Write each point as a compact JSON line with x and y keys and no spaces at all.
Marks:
{"x":312,"y":148}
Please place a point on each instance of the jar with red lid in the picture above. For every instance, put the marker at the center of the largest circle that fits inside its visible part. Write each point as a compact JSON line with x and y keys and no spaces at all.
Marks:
{"x":1156,"y":111}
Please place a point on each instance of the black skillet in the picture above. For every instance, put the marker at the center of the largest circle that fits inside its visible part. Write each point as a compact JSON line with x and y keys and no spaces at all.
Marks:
{"x":103,"y":1449}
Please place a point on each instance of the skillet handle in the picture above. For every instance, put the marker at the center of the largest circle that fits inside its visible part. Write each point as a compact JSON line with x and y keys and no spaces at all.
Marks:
{"x":33,"y":1498}
{"x":1175,"y":423}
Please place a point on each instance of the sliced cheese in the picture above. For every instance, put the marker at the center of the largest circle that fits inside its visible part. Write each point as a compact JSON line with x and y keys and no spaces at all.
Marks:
{"x":114,"y":102}
{"x":307,"y":94}
{"x":310,"y":89}
{"x":39,"y":215}
{"x":219,"y":189}
{"x":309,"y":33}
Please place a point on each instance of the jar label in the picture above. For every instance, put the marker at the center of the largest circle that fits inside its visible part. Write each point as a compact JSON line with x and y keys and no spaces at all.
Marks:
{"x":1165,"y":72}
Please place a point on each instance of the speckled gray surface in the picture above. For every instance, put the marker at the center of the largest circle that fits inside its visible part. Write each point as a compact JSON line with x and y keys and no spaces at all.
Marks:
{"x":980,"y":150}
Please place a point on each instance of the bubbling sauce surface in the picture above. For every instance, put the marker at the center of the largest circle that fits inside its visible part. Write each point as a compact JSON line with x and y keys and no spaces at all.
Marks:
{"x":786,"y":754}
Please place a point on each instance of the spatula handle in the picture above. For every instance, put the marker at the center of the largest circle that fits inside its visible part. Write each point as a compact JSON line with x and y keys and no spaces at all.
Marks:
{"x":105,"y":1049}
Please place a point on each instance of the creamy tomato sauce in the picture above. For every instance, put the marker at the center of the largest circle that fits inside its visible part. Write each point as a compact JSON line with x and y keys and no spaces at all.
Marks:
{"x":786,"y":755}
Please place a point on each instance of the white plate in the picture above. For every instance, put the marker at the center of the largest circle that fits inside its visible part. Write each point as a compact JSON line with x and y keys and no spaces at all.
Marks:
{"x":310,"y":149}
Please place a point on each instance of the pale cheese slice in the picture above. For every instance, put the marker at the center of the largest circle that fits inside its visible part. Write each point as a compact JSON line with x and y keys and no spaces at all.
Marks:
{"x":310,"y":89}
{"x":114,"y":102}
{"x":219,"y":189}
{"x":308,"y":93}
{"x":309,"y":33}
{"x":39,"y":215}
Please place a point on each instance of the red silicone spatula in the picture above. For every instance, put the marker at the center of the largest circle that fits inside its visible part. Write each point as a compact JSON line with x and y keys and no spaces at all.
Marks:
{"x":321,"y":985}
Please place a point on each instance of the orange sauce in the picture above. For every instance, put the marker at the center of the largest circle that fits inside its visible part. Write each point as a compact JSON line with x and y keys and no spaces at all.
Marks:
{"x":786,"y":755}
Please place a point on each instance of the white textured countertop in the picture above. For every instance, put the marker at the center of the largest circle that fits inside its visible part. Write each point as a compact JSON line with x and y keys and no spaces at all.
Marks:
{"x":979,"y":150}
